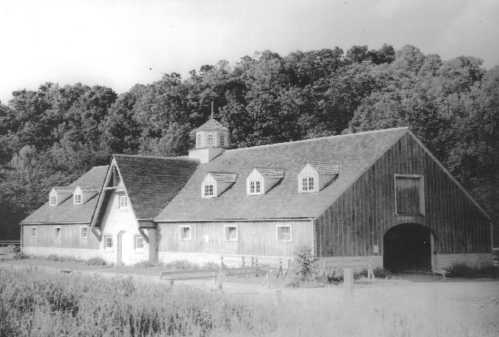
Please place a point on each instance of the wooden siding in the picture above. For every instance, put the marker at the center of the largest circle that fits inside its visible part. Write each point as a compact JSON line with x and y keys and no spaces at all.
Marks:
{"x":70,"y":237}
{"x":358,"y":220}
{"x":254,"y":238}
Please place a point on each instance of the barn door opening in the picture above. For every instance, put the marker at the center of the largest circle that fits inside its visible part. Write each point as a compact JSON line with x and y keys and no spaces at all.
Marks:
{"x":407,"y":248}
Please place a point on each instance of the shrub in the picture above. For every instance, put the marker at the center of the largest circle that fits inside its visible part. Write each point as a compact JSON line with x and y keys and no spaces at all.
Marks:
{"x":96,"y":261}
{"x":181,"y":265}
{"x":464,"y":270}
{"x":305,"y":266}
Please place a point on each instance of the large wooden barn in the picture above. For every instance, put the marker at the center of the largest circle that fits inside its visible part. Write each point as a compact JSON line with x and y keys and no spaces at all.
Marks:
{"x":377,"y":197}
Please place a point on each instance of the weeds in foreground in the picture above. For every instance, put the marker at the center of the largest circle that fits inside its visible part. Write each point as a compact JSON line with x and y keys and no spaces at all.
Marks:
{"x":44,"y":304}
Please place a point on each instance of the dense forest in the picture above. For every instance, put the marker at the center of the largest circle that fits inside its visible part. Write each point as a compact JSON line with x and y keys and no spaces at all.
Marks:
{"x":52,"y":135}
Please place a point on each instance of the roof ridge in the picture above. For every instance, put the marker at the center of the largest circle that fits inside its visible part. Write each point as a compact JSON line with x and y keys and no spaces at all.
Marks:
{"x":318,"y":138}
{"x":153,"y":157}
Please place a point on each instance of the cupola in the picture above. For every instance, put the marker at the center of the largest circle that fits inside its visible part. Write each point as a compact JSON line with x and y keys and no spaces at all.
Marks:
{"x":211,"y":140}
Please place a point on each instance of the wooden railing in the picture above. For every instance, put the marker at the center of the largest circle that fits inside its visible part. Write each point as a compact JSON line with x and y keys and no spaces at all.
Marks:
{"x":9,"y":246}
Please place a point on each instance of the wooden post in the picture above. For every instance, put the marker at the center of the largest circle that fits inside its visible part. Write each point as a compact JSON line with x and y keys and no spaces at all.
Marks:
{"x":348,"y":282}
{"x":222,"y":262}
{"x":280,"y":271}
{"x":243,"y":262}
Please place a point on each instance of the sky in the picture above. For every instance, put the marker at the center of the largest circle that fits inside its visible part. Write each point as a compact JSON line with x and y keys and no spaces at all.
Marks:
{"x":121,"y":43}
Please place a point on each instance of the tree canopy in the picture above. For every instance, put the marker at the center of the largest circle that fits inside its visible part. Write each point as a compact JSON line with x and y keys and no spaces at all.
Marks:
{"x":52,"y":135}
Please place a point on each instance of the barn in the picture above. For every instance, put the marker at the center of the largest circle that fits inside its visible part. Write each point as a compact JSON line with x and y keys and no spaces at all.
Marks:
{"x":377,"y":197}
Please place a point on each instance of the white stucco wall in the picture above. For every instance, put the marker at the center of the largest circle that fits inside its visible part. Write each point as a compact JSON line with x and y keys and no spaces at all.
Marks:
{"x":118,"y":220}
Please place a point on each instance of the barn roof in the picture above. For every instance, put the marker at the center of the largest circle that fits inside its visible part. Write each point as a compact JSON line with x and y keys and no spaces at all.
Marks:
{"x":66,"y":211}
{"x":151,"y":182}
{"x":354,"y":154}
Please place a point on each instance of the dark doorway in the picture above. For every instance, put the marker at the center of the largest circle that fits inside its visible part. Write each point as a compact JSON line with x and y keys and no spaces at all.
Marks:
{"x":407,"y":248}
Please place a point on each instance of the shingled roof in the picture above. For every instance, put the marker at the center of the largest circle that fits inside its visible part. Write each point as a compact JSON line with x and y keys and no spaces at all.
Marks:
{"x":151,"y":182}
{"x":211,"y":125}
{"x":66,"y":212}
{"x":354,"y":154}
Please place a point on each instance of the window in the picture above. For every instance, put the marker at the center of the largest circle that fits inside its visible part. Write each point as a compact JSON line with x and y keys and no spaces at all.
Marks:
{"x":58,"y":231}
{"x":283,"y":232}
{"x":84,"y":232}
{"x":210,"y":139}
{"x":108,"y":241}
{"x":53,"y":199}
{"x":198,"y":140}
{"x":222,"y":140}
{"x":77,"y":199}
{"x":185,"y":233}
{"x":409,"y":195}
{"x":255,"y":187}
{"x":307,"y":184}
{"x":231,"y":233}
{"x":122,"y":201}
{"x":208,"y":191}
{"x":139,"y":242}
{"x":33,"y":232}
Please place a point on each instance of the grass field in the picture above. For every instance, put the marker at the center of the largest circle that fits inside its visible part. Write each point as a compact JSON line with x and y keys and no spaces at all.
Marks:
{"x":35,"y":302}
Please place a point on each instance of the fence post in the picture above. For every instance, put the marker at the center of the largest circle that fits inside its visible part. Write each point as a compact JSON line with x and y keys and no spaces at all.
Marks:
{"x":348,"y":282}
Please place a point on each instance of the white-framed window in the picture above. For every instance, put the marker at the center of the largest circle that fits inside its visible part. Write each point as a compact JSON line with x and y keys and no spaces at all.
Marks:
{"x":185,"y":232}
{"x":222,"y":140}
{"x":308,"y":184}
{"x":139,"y":242}
{"x":77,"y":199}
{"x":108,"y":241}
{"x":52,"y":199}
{"x":209,"y":190}
{"x":33,"y":232}
{"x":283,"y":233}
{"x":58,"y":233}
{"x":84,"y":232}
{"x":210,"y":139}
{"x":231,"y":233}
{"x":255,"y":187}
{"x":122,"y":201}
{"x":254,"y":183}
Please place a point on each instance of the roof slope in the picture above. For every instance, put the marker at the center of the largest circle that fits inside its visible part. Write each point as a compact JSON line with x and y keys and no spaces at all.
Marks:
{"x":354,"y":153}
{"x":151,"y":182}
{"x":66,"y":212}
{"x":210,"y":125}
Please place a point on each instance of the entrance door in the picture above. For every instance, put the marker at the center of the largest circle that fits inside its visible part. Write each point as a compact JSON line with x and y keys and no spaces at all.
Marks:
{"x":119,"y":248}
{"x":407,"y":248}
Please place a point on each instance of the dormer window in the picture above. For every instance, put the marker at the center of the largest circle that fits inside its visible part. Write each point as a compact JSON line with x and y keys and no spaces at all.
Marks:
{"x":255,"y":187}
{"x":78,"y":196}
{"x":53,"y":199}
{"x":317,"y":175}
{"x":308,"y":184}
{"x":261,"y":180}
{"x":209,"y":191}
{"x":216,"y":183}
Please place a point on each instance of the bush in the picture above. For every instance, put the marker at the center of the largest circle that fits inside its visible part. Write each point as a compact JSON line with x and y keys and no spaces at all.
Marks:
{"x":96,"y":261}
{"x":181,"y":265}
{"x":463,"y":270}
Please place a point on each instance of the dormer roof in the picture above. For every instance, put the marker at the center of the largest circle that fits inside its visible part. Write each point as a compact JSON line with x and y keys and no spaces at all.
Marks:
{"x":211,"y":125}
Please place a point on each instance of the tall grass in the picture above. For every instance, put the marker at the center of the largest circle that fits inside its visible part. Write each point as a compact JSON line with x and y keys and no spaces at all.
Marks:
{"x":33,"y":303}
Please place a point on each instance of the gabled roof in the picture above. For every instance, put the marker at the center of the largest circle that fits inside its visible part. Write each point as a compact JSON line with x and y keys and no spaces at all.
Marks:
{"x":355,"y":153}
{"x":211,"y":125}
{"x":151,"y":182}
{"x":224,"y":177}
{"x":66,"y":212}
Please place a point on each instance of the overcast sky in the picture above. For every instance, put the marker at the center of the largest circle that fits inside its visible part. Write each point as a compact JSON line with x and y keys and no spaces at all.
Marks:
{"x":120,"y":43}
